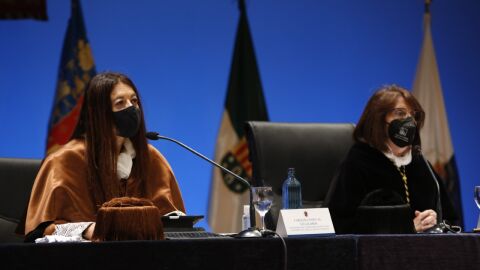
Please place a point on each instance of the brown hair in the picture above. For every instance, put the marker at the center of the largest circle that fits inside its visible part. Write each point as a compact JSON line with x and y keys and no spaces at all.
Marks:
{"x":372,"y":126}
{"x":96,"y":127}
{"x":128,"y":218}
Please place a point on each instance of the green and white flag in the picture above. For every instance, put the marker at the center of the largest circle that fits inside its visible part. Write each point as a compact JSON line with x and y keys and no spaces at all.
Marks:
{"x":244,"y":102}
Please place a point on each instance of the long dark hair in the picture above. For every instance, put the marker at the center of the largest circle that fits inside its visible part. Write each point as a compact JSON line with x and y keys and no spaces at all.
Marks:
{"x":96,"y":127}
{"x":371,"y":128}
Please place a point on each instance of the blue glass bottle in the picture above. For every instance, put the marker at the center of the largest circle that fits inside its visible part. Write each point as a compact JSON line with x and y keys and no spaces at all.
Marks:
{"x":291,"y":191}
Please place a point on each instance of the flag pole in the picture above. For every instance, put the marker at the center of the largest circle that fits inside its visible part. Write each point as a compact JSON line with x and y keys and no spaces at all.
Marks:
{"x":241,"y":5}
{"x":427,"y":6}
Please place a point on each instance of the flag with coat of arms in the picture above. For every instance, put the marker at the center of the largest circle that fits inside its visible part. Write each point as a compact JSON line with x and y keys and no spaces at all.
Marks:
{"x":244,"y":102}
{"x":75,"y":71}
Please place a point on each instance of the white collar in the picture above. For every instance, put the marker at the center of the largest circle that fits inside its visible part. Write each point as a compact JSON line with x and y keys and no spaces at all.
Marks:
{"x":125,"y":160}
{"x":399,"y":161}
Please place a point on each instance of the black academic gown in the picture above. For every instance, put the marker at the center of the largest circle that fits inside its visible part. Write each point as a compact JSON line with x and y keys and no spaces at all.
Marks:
{"x":365,"y":170}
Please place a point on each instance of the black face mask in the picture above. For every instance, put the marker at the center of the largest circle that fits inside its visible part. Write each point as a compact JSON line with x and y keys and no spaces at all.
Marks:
{"x":402,"y":131}
{"x":127,"y":121}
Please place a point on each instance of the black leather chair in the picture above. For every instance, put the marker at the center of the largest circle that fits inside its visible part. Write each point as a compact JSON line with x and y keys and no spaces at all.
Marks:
{"x":315,"y":150}
{"x":16,"y":181}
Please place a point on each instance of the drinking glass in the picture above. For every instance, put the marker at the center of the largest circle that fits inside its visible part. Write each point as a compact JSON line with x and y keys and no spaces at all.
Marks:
{"x":262,"y":199}
{"x":476,"y":195}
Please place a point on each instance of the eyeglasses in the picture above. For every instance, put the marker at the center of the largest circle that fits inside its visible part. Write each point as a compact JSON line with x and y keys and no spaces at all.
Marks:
{"x":403,"y":113}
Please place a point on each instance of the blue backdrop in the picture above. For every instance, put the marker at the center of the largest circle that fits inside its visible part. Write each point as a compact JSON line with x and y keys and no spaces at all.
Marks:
{"x":319,"y":62}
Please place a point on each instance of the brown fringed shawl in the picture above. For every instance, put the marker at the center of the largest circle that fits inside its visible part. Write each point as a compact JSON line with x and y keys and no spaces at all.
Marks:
{"x":128,"y":218}
{"x":61,"y":192}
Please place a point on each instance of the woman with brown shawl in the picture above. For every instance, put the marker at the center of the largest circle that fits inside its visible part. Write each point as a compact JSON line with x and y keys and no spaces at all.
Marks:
{"x":108,"y":157}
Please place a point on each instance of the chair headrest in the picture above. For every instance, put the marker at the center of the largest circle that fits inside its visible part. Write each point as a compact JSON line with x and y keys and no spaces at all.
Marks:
{"x":315,"y":150}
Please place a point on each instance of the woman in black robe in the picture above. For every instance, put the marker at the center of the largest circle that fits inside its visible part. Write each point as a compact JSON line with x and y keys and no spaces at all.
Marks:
{"x":385,"y":169}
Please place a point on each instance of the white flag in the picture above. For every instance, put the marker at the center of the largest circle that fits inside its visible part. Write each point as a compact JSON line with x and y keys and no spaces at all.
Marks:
{"x":436,"y":141}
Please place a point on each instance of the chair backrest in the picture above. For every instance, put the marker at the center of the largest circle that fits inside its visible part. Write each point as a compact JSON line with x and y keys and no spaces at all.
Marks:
{"x":315,"y":150}
{"x":16,"y":180}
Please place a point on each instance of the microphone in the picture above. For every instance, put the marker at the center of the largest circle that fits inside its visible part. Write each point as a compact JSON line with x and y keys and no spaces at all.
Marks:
{"x":250,"y":232}
{"x":440,"y":227}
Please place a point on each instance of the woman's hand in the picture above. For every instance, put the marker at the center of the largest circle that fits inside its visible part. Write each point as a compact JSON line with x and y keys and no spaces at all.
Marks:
{"x":424,"y":220}
{"x":49,"y":230}
{"x":88,"y":233}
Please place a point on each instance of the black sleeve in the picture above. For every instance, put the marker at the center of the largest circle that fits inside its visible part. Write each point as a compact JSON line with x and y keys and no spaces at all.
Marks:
{"x":343,"y":198}
{"x":448,"y":211}
{"x":37,"y":233}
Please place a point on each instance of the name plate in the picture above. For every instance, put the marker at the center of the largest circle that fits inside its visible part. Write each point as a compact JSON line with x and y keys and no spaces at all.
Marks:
{"x":305,"y":222}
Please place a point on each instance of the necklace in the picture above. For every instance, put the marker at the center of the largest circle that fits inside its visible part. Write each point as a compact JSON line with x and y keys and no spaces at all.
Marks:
{"x":403,"y":173}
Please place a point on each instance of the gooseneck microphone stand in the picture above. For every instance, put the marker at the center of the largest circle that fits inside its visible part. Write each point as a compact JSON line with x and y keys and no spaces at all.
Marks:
{"x":440,"y":226}
{"x":250,"y":232}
